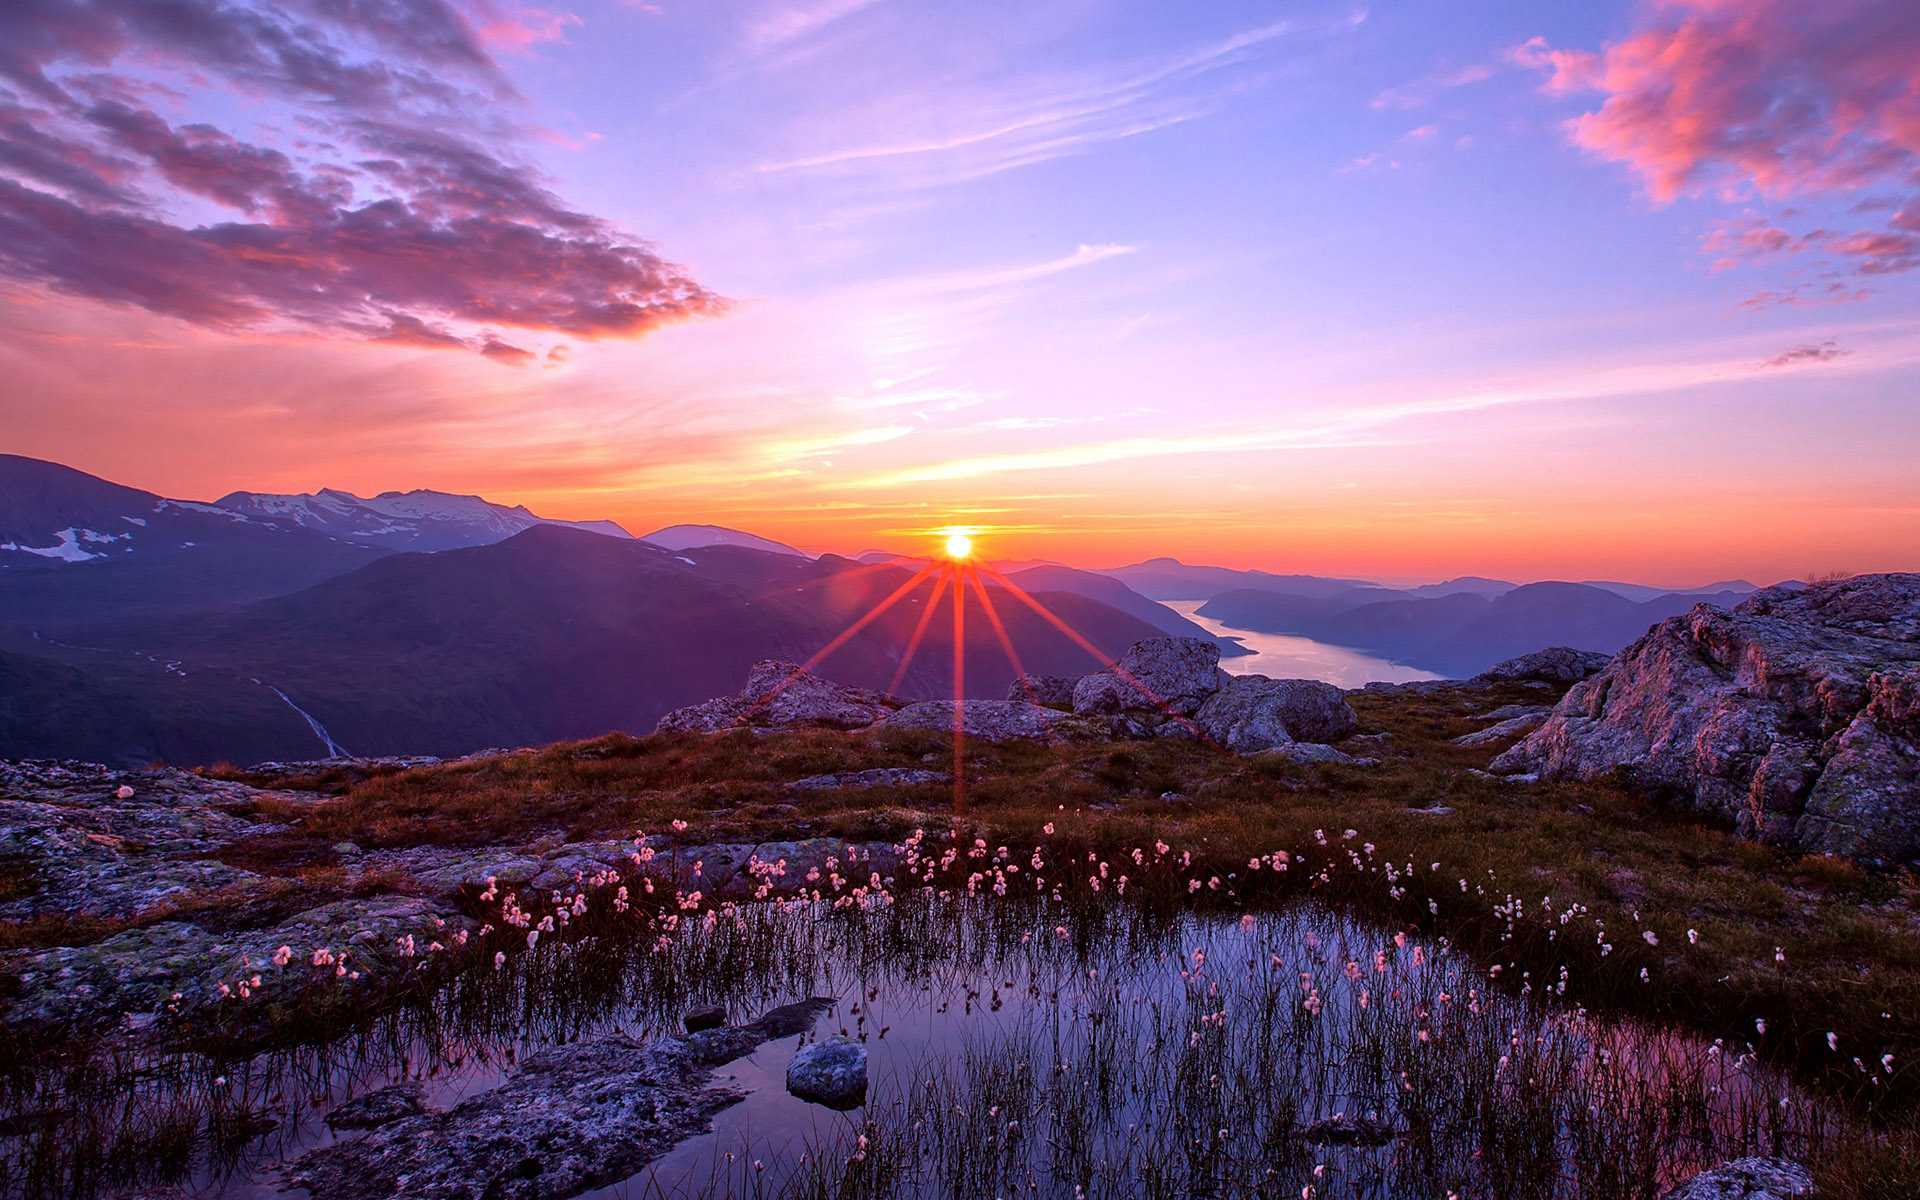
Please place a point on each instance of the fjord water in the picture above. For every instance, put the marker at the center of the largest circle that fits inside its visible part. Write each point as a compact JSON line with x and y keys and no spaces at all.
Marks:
{"x":1282,"y":656}
{"x":1028,"y":1046}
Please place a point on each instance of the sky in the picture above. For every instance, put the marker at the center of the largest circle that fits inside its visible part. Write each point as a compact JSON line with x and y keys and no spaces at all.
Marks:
{"x":1396,"y":290}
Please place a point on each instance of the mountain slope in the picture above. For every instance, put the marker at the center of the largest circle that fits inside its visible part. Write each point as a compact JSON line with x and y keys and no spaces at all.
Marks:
{"x":1115,"y":594}
{"x":693,"y":537}
{"x":1171,"y":579}
{"x":556,"y":634}
{"x":75,"y":548}
{"x":417,"y":520}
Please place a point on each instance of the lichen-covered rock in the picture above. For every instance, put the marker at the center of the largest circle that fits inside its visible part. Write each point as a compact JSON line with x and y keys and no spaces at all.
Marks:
{"x":142,"y":970}
{"x":93,"y":851}
{"x":1748,"y":1179}
{"x":1168,"y":675}
{"x":1793,"y":715}
{"x":571,"y":1118}
{"x":833,"y":1073}
{"x":1255,"y":713}
{"x":1054,"y":691}
{"x":781,"y":695}
{"x":1557,"y":664}
{"x":376,"y":1108}
{"x":984,"y":720}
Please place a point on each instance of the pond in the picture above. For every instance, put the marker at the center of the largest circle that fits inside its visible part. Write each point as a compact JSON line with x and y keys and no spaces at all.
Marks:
{"x":1284,"y":656}
{"x":1133,"y":1032}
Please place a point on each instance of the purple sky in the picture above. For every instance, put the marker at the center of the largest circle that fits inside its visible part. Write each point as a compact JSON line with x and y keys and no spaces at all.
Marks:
{"x":1405,"y":290}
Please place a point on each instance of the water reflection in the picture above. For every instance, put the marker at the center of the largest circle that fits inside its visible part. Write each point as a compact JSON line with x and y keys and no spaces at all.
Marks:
{"x":1282,"y":656}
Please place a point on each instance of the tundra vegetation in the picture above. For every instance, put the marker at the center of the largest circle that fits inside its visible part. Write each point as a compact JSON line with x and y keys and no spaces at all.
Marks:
{"x":1409,"y":978}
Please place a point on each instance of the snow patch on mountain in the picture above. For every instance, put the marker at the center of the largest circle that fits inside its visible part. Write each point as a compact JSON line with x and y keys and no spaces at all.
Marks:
{"x":68,"y":545}
{"x":699,"y":537}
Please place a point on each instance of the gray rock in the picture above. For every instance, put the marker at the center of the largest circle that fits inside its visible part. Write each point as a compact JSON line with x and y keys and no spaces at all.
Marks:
{"x":1558,"y":664}
{"x":1170,"y":674}
{"x":833,"y":1073}
{"x":1054,"y":691}
{"x":707,"y":1016}
{"x":141,"y":969}
{"x":1306,"y":753}
{"x":1794,"y":716}
{"x":571,"y":1118}
{"x":1256,"y":713}
{"x":985,"y":720}
{"x":877,"y":777}
{"x":1748,"y":1179}
{"x":780,"y":695}
{"x":348,"y":849}
{"x":1501,"y":730}
{"x":377,"y":1108}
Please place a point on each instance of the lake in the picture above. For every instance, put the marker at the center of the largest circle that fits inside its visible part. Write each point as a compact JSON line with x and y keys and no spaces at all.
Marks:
{"x":1282,"y":656}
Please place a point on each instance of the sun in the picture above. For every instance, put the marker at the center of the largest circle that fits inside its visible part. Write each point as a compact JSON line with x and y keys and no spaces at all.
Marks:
{"x":959,"y":545}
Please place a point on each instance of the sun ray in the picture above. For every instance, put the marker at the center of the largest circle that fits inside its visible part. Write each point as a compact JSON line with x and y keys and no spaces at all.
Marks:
{"x":919,"y":632}
{"x":871,"y":615}
{"x":1000,"y":631}
{"x":1119,"y":671}
{"x":959,"y":693}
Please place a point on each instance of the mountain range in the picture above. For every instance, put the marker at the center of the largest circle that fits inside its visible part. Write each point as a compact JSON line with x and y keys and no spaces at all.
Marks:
{"x":134,"y":626}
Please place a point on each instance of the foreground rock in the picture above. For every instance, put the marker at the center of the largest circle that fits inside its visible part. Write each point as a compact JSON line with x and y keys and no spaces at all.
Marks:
{"x":1748,"y":1179}
{"x":572,"y":1118}
{"x":156,"y":972}
{"x":117,"y":844}
{"x":1154,"y":680}
{"x":780,"y":695}
{"x":1557,"y":664}
{"x":1796,"y":715}
{"x":982,"y":720}
{"x":1253,"y":713}
{"x":833,"y":1073}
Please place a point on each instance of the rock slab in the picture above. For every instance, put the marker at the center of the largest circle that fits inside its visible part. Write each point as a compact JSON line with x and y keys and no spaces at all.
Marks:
{"x":1796,"y":715}
{"x":1253,"y":713}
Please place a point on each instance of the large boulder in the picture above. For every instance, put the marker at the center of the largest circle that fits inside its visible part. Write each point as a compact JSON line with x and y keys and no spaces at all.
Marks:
{"x":1160,"y":675}
{"x":1254,"y":713}
{"x":1557,"y":664}
{"x":783,"y":695}
{"x":1794,"y":715}
{"x":985,"y":720}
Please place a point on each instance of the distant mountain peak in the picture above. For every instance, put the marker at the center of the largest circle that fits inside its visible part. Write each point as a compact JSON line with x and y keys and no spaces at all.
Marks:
{"x":420,"y":519}
{"x":699,"y":537}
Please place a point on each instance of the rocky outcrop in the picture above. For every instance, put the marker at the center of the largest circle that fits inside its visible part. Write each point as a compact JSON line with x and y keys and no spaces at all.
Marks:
{"x":1054,"y":691}
{"x":1748,"y":1179}
{"x":1509,"y":720}
{"x":571,"y":1118}
{"x":1253,"y":713}
{"x":118,"y":844}
{"x":1794,"y":715}
{"x":1159,"y":675}
{"x":1557,"y":664}
{"x":874,"y":777}
{"x":981,"y":720}
{"x":833,"y":1073}
{"x":782,"y":695}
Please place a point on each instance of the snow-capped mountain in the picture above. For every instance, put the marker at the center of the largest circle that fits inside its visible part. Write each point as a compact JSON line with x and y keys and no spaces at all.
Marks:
{"x":696,"y":537}
{"x":418,"y":520}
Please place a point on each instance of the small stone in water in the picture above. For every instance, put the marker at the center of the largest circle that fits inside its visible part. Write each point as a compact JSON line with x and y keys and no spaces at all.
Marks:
{"x":1342,"y":1130}
{"x":833,"y":1073}
{"x":707,"y":1016}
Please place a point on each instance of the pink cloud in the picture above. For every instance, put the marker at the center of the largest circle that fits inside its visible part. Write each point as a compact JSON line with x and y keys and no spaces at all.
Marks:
{"x":1767,"y":98}
{"x":390,"y":219}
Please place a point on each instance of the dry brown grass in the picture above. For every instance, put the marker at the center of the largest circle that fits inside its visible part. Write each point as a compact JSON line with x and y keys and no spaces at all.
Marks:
{"x":1848,"y":935}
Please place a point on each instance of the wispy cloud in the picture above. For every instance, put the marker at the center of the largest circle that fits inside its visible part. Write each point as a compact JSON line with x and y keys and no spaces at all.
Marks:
{"x":932,"y":132}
